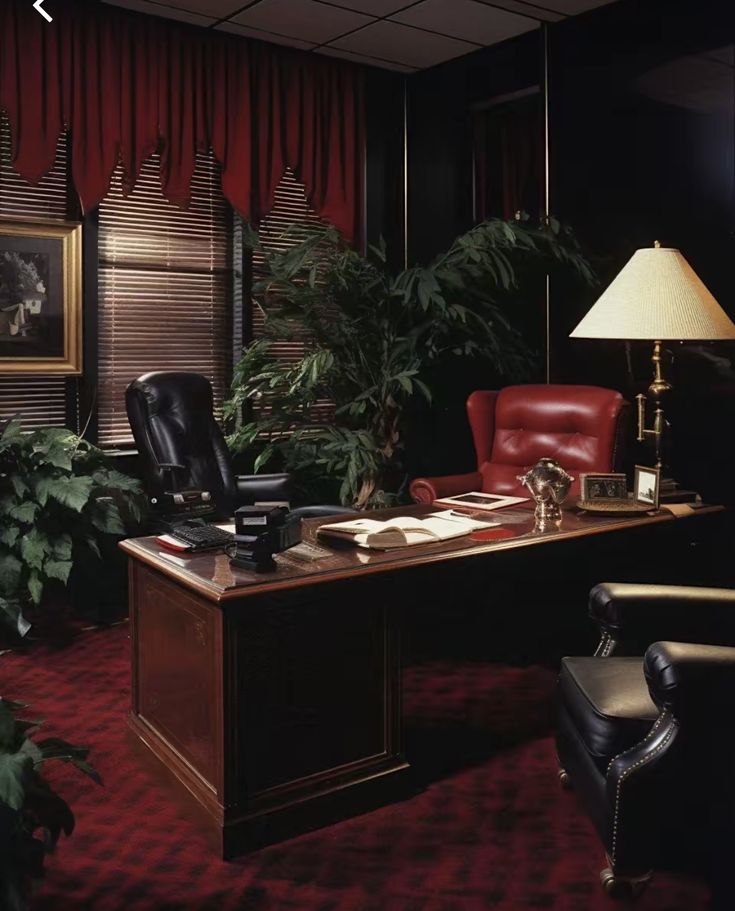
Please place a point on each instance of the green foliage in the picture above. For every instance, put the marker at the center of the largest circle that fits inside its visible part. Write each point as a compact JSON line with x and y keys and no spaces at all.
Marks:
{"x":372,"y":337}
{"x":28,"y":804}
{"x":58,"y":495}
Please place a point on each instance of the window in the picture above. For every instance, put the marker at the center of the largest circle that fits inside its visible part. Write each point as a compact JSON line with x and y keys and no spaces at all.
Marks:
{"x":509,"y":156}
{"x":291,"y":207}
{"x":163,"y":289}
{"x":39,"y":400}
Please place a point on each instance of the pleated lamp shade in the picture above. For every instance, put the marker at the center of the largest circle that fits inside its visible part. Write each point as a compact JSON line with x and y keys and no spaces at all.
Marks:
{"x":657,"y":296}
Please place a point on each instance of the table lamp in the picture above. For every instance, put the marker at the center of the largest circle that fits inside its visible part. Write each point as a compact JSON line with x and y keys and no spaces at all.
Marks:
{"x":656,"y":297}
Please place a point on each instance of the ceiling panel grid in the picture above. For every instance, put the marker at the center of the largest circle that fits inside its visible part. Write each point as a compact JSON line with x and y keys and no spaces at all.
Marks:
{"x":403,"y":35}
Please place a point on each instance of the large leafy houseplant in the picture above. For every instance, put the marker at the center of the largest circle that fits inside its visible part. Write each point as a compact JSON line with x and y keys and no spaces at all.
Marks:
{"x":371,"y":337}
{"x":58,"y":497}
{"x":29,"y":806}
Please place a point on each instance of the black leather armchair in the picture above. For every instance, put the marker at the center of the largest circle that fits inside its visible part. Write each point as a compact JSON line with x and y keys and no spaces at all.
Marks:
{"x":645,"y":731}
{"x":181,"y":446}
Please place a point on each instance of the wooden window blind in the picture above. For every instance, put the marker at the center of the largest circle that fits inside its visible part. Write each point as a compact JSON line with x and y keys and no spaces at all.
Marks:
{"x":290,"y":208}
{"x":163,"y":289}
{"x":39,"y":400}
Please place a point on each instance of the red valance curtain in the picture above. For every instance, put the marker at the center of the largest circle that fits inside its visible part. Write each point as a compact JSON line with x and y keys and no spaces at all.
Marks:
{"x":125,"y":85}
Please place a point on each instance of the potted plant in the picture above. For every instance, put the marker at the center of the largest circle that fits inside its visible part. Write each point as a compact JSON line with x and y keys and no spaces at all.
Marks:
{"x":58,"y":498}
{"x":371,"y":338}
{"x":29,"y":806}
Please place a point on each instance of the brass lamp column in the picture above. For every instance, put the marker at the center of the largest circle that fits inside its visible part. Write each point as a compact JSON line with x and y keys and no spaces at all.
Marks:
{"x":656,"y":391}
{"x":656,"y":297}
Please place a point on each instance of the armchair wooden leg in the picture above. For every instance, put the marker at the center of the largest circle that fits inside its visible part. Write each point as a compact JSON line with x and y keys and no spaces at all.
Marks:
{"x":624,"y":886}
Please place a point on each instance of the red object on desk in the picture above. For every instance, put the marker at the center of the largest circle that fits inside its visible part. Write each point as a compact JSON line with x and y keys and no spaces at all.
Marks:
{"x":173,"y":544}
{"x":492,"y":534}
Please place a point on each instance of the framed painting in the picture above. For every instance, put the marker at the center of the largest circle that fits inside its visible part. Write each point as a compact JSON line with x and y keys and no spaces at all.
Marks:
{"x":40,"y":297}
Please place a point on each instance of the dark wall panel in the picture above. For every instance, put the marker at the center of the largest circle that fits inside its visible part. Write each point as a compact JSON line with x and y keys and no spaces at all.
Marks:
{"x":641,"y":148}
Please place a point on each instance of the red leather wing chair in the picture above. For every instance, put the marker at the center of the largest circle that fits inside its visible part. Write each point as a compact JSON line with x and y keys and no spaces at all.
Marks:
{"x":582,"y":427}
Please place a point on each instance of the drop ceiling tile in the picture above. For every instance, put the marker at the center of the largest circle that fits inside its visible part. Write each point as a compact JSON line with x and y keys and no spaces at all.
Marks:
{"x":402,"y":44}
{"x":572,"y":7}
{"x":368,"y":61}
{"x":375,"y":8}
{"x":527,"y":9}
{"x":303,"y":19}
{"x":159,"y":9}
{"x":467,"y":20}
{"x":262,"y":35}
{"x":214,"y":9}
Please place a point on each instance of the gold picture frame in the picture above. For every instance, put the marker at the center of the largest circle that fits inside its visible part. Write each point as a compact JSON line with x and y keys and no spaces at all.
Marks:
{"x":40,"y":297}
{"x":647,"y":486}
{"x":600,"y":485}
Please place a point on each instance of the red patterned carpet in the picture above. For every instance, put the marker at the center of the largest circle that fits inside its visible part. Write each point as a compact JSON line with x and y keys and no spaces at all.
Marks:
{"x":491,"y":829}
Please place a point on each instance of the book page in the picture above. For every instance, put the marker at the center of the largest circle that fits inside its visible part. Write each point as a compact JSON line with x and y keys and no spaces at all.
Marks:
{"x":372,"y":526}
{"x":397,"y":537}
{"x":353,"y":527}
{"x":403,"y":531}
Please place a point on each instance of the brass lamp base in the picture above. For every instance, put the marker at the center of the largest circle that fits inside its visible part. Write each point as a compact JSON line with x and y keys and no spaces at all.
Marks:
{"x":656,"y":391}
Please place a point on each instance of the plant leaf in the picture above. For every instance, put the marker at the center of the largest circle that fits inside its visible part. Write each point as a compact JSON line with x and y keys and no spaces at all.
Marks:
{"x":35,"y":548}
{"x":35,"y":586}
{"x":9,"y":535}
{"x":13,"y":767}
{"x":23,"y":512}
{"x":72,"y":492}
{"x":10,"y":570}
{"x":106,"y":517}
{"x":12,"y":614}
{"x":58,"y":569}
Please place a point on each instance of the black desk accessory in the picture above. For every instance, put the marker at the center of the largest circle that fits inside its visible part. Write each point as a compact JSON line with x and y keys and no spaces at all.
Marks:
{"x":260,"y":532}
{"x":176,"y":507}
{"x":200,"y":536}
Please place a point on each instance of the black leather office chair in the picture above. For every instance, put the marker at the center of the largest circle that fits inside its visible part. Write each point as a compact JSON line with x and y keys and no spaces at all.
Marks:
{"x":181,"y":446}
{"x":647,"y":742}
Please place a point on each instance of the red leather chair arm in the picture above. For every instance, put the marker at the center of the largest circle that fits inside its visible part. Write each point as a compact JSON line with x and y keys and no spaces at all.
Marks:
{"x":426,"y":490}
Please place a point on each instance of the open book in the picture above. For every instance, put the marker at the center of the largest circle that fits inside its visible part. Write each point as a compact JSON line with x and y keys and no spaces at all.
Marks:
{"x":402,"y":531}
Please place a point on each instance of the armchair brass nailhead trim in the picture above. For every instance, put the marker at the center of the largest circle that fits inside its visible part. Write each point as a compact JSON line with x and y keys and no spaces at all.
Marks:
{"x":642,"y":761}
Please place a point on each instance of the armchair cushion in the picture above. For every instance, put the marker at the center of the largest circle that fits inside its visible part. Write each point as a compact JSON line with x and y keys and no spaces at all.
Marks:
{"x":576,"y":425}
{"x":608,"y":702}
{"x":648,"y":613}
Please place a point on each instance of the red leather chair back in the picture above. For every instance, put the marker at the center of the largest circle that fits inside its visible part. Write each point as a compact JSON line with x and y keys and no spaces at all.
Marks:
{"x":579,"y":426}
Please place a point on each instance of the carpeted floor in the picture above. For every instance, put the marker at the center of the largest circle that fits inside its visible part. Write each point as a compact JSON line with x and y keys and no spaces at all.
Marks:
{"x":491,"y":828}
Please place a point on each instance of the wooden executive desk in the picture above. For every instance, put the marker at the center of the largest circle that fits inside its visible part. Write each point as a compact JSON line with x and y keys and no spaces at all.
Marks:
{"x":275,"y":699}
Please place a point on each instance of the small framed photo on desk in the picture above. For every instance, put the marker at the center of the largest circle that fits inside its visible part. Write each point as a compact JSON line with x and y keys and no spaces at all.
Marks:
{"x":646,"y":487}
{"x":603,"y":486}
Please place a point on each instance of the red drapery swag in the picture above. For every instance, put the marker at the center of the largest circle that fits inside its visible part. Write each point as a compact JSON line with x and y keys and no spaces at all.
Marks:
{"x":126,"y":85}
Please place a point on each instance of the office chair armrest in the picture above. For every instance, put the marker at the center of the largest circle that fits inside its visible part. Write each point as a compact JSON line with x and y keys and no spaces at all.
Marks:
{"x":426,"y":490}
{"x":648,"y":613}
{"x":695,"y":682}
{"x":321,"y":511}
{"x":252,"y":488}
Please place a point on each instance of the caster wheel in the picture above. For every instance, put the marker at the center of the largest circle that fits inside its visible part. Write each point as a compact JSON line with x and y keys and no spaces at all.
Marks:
{"x":623,"y":888}
{"x":565,"y":781}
